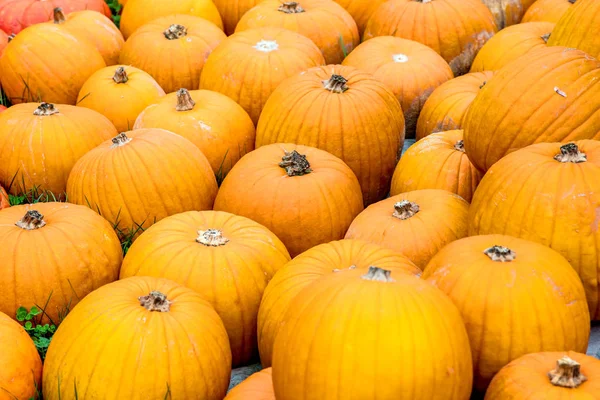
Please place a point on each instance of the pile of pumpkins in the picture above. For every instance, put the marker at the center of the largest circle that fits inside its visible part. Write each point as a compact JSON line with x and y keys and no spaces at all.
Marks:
{"x":251,"y":153}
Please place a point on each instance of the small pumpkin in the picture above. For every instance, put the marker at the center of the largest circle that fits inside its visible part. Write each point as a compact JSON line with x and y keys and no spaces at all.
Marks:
{"x":4,"y":200}
{"x":232,"y":10}
{"x":361,"y":11}
{"x":258,"y":386}
{"x":547,"y":10}
{"x":255,"y":62}
{"x":147,"y":337}
{"x":212,"y":121}
{"x":505,"y":12}
{"x":188,"y":41}
{"x":324,"y":22}
{"x":437,"y":161}
{"x":578,"y":28}
{"x":496,"y":278}
{"x":119,"y":93}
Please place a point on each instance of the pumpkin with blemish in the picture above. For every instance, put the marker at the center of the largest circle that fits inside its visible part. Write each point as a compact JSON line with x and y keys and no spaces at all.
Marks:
{"x":579,"y":28}
{"x":547,"y":10}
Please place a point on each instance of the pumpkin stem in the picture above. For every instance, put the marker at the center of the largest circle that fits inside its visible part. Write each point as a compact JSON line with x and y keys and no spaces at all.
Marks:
{"x":546,"y":36}
{"x":482,"y":85}
{"x":405,"y":209}
{"x":336,"y":84}
{"x":295,"y":164}
{"x":59,"y":16}
{"x":120,"y":140}
{"x":11,"y":36}
{"x":570,"y":153}
{"x":291,"y":7}
{"x":155,"y":301}
{"x":378,"y":274}
{"x":500,"y":253}
{"x":32,"y":220}
{"x":567,"y":373}
{"x":211,"y":237}
{"x":120,"y":75}
{"x":460,"y":145}
{"x":45,"y":109}
{"x":175,"y":31}
{"x":184,"y":100}
{"x":424,"y":1}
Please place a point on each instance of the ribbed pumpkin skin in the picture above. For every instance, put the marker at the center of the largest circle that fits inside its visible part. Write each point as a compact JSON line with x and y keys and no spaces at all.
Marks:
{"x":442,"y":218}
{"x":247,"y":68}
{"x":258,"y":386}
{"x":526,"y":378}
{"x":141,"y":12}
{"x":122,"y":102}
{"x":310,"y":266}
{"x":528,"y":194}
{"x":75,"y":253}
{"x":232,"y":10}
{"x":435,"y":162}
{"x":505,"y":12}
{"x":146,"y":50}
{"x":381,"y":328}
{"x":456,"y":29}
{"x":364,"y":125}
{"x":504,"y":117}
{"x":579,"y":28}
{"x":232,"y":276}
{"x":325,"y":22}
{"x":536,"y":290}
{"x":4,"y":203}
{"x":46,"y":63}
{"x":510,"y":44}
{"x":156,"y":174}
{"x":410,"y":69}
{"x":225,"y":131}
{"x":303,"y":211}
{"x":110,"y":337}
{"x":547,"y":10}
{"x":361,"y":10}
{"x":41,"y":150}
{"x":446,"y":107}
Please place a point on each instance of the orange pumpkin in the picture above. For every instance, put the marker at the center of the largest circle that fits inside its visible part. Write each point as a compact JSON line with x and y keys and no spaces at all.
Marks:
{"x":21,"y":374}
{"x":493,"y":279}
{"x":60,"y":252}
{"x":456,"y":29}
{"x":410,"y":69}
{"x":304,"y":195}
{"x":324,"y":22}
{"x":119,"y":93}
{"x":547,"y":10}
{"x":437,"y":161}
{"x":232,"y":10}
{"x":4,"y":38}
{"x":255,"y":62}
{"x":311,"y":266}
{"x":258,"y":386}
{"x":357,"y":326}
{"x":40,"y":143}
{"x":361,"y":10}
{"x":547,"y":193}
{"x":550,"y":94}
{"x":142,"y":176}
{"x":212,"y":121}
{"x":47,"y":63}
{"x":344,"y":111}
{"x":4,"y":200}
{"x":150,"y":338}
{"x":505,"y":12}
{"x":226,"y":258}
{"x":579,"y":28}
{"x":410,"y":223}
{"x":446,"y":107}
{"x":547,"y":376}
{"x":187,"y":40}
{"x":527,"y":4}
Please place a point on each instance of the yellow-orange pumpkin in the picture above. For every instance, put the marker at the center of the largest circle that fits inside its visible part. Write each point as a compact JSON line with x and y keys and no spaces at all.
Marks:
{"x":361,"y":10}
{"x":249,"y":65}
{"x":311,"y":266}
{"x":579,"y":28}
{"x":505,"y":12}
{"x":258,"y":386}
{"x":232,"y":10}
{"x":149,"y":338}
{"x":547,"y":10}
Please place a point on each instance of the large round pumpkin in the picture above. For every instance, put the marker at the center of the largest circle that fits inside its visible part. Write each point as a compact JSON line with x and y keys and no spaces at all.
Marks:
{"x":390,"y":319}
{"x":4,"y":199}
{"x":446,"y":107}
{"x":547,"y":376}
{"x":255,"y":62}
{"x":547,"y":10}
{"x":139,"y":338}
{"x":494,"y":279}
{"x":258,"y":386}
{"x":417,"y":224}
{"x":47,"y":63}
{"x":361,"y":10}
{"x":456,"y":29}
{"x":304,"y":195}
{"x":21,"y":373}
{"x":226,"y":258}
{"x":232,"y":10}
{"x":324,"y":22}
{"x":59,"y":252}
{"x":142,"y":176}
{"x":579,"y":28}
{"x":548,"y":193}
{"x":437,"y":161}
{"x":212,"y":121}
{"x":119,"y":93}
{"x":40,"y":143}
{"x":311,"y":266}
{"x":510,"y":44}
{"x":411,"y":69}
{"x":548,"y":95}
{"x":187,"y":40}
{"x":505,"y":12}
{"x":344,"y":111}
